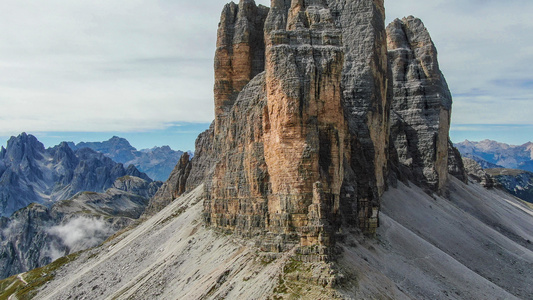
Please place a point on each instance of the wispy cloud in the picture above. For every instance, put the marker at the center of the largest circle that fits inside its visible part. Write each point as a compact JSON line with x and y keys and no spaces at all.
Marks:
{"x":132,"y":65}
{"x":81,"y":233}
{"x":105,"y":66}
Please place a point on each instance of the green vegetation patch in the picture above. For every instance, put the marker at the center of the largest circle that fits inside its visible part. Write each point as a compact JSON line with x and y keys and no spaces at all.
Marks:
{"x":8,"y":286}
{"x":35,"y":279}
{"x":292,"y":266}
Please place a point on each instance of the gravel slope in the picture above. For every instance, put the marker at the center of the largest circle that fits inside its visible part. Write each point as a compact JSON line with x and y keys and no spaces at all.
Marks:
{"x":470,"y":245}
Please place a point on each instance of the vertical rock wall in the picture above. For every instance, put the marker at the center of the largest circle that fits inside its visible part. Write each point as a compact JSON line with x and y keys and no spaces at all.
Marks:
{"x":304,"y":126}
{"x":301,"y":149}
{"x":364,"y":88}
{"x":236,"y":194}
{"x":421,"y":104}
{"x":240,"y":52}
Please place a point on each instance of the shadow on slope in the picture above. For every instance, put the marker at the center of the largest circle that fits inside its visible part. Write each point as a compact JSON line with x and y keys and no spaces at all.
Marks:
{"x":472,"y":245}
{"x":476,"y":244}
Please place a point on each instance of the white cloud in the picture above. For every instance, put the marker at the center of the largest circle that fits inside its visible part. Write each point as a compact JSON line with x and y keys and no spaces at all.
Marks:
{"x":11,"y":229}
{"x":81,"y":233}
{"x":130,"y":65}
{"x":105,"y":65}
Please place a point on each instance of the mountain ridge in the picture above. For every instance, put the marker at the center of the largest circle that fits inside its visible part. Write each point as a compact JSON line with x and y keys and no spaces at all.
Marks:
{"x":490,"y":153}
{"x":36,"y":235}
{"x":30,"y":173}
{"x":156,"y":162}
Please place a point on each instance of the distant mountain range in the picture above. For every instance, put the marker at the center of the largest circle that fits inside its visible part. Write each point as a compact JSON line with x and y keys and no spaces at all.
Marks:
{"x":37,"y":235}
{"x":492,"y":154}
{"x":29,"y":173}
{"x":507,"y":166}
{"x":63,"y":199}
{"x":156,"y":162}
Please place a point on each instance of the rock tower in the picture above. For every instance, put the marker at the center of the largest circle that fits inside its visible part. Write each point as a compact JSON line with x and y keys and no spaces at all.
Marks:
{"x":312,"y":116}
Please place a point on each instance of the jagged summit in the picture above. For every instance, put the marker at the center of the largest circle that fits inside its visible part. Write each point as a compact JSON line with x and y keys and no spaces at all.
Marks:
{"x":30,"y":173}
{"x":23,"y":146}
{"x":312,"y":117}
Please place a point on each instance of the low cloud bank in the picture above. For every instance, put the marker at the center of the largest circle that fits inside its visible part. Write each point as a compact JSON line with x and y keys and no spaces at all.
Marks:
{"x":81,"y":233}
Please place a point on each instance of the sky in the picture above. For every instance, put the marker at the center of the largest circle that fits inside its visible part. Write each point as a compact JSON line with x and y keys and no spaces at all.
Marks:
{"x":143,"y":70}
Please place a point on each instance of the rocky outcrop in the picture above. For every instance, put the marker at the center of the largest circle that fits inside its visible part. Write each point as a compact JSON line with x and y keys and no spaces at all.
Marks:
{"x":172,"y":188}
{"x":366,"y":107}
{"x":303,"y":148}
{"x":304,"y":124}
{"x":420,"y":105}
{"x":237,"y":190}
{"x":240,"y":52}
{"x":476,"y":173}
{"x":456,"y":166}
{"x":283,"y":172}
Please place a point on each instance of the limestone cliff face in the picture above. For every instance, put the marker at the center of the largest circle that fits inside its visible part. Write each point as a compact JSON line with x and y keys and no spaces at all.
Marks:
{"x":366,"y":107}
{"x":421,"y":104}
{"x":238,"y":184}
{"x":316,"y":129}
{"x":302,"y":148}
{"x":304,"y":126}
{"x":240,"y":51}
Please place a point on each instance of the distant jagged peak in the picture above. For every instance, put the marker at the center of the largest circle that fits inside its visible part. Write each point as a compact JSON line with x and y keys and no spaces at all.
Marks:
{"x":487,"y":144}
{"x":86,"y":153}
{"x":160,"y":149}
{"x":24,"y":145}
{"x":114,"y":143}
{"x":64,"y":154}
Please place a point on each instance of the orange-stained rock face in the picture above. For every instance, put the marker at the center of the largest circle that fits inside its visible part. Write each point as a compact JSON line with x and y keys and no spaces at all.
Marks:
{"x":300,"y":142}
{"x":283,"y":143}
{"x":305,"y":129}
{"x":237,"y":191}
{"x":240,"y":52}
